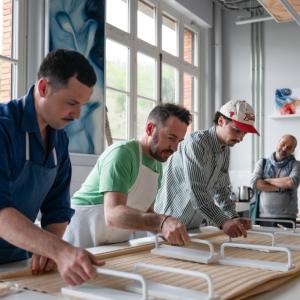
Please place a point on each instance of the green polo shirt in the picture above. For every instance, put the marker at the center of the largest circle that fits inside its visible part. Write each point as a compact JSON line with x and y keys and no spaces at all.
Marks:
{"x":116,"y":170}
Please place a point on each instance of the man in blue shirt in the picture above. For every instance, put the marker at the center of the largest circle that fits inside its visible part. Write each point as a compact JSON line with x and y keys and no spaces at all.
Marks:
{"x":35,"y":169}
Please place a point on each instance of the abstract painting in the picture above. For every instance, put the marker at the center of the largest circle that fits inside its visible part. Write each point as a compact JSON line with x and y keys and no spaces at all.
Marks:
{"x":80,"y":25}
{"x":287,"y":101}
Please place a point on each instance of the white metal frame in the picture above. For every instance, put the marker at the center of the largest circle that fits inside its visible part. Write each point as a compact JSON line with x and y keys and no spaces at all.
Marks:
{"x":164,"y":291}
{"x":92,"y":291}
{"x":254,"y":263}
{"x":187,"y":254}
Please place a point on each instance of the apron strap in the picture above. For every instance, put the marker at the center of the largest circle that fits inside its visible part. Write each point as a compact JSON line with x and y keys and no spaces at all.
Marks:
{"x":27,"y":153}
{"x":27,"y":146}
{"x":54,"y":156}
{"x":140,"y":161}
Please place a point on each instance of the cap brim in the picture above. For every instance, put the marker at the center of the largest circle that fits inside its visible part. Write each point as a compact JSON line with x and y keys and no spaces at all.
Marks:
{"x":245,"y":127}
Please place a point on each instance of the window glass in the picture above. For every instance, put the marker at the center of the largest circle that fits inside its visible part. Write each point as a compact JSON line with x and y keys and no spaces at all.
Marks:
{"x":117,"y":13}
{"x":169,"y":35}
{"x":117,"y":104}
{"x":146,"y":22}
{"x":6,"y":28}
{"x":189,"y":94}
{"x":117,"y":61}
{"x":6,"y":47}
{"x":143,"y":109}
{"x":5,"y":81}
{"x":188,"y":46}
{"x":169,"y":83}
{"x":146,"y":75}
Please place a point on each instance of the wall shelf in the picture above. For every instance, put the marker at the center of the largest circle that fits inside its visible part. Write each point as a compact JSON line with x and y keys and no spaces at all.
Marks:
{"x":295,"y":116}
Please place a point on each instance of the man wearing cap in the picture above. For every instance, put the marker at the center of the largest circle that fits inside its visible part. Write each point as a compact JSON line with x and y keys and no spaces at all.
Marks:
{"x":196,"y":182}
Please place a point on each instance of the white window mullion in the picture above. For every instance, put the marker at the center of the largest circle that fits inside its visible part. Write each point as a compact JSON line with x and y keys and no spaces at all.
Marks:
{"x":180,"y":30}
{"x":118,"y":90}
{"x":132,"y":117}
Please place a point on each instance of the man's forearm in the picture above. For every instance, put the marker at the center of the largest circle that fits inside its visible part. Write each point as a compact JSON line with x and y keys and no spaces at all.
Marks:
{"x":264,"y":186}
{"x":129,"y":218}
{"x":282,"y":182}
{"x":21,"y":232}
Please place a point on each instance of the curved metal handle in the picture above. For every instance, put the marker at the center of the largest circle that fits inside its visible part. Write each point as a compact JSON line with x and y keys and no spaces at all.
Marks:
{"x":205,"y":242}
{"x":278,"y":220}
{"x":201,"y":275}
{"x":271,"y":234}
{"x":259,"y":248}
{"x":127,"y":275}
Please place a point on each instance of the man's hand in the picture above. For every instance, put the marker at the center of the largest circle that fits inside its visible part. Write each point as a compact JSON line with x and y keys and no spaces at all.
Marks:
{"x":174,"y":232}
{"x":76,"y":265}
{"x":41,"y":264}
{"x":236,"y":227}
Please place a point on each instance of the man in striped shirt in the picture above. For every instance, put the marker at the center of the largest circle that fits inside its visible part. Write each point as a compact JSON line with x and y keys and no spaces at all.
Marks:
{"x":196,"y":182}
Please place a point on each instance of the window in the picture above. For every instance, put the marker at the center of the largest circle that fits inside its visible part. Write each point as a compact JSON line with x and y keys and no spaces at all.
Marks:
{"x":6,"y":49}
{"x":189,"y":46}
{"x":118,"y":17}
{"x":11,"y":17}
{"x":151,"y":57}
{"x":146,"y":89}
{"x":169,"y":91}
{"x":169,"y":35}
{"x":146,"y":20}
{"x":190,"y":98}
{"x":117,"y":88}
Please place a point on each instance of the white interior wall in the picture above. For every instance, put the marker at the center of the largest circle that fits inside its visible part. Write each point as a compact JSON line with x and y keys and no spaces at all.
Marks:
{"x":237,"y":85}
{"x":202,"y":9}
{"x":282,"y":44}
{"x":282,"y":62}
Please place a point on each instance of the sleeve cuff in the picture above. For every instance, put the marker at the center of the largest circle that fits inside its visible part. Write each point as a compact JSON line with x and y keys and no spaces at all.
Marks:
{"x":60,"y":216}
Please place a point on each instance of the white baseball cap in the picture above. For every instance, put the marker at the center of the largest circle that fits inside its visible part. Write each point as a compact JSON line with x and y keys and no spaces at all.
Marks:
{"x":241,"y":113}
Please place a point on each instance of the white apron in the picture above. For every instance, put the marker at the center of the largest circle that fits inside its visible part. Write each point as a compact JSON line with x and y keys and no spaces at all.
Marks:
{"x":88,"y":228}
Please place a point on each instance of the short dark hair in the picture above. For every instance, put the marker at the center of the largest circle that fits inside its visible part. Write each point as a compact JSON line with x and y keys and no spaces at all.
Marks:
{"x":160,"y":113}
{"x":218,"y":115}
{"x":62,"y":64}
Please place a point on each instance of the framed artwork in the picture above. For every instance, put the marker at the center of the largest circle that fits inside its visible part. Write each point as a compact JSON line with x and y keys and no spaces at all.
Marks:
{"x":287,"y":101}
{"x":80,"y":25}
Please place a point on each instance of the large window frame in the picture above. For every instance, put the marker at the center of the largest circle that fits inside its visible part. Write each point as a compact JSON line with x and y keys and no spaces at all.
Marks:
{"x":18,"y":56}
{"x":136,"y":45}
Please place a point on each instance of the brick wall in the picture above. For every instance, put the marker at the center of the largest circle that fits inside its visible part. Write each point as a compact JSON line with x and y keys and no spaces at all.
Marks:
{"x":188,"y":52}
{"x":187,"y":79}
{"x":5,"y":67}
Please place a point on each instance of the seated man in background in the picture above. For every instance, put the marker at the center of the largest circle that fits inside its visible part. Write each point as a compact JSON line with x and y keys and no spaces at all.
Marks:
{"x":278,"y":183}
{"x":117,"y":197}
{"x":197,"y":174}
{"x":35,"y":168}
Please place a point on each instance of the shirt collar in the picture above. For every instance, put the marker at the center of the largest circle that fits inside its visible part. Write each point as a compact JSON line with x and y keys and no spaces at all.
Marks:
{"x":216,"y":147}
{"x":29,"y":121}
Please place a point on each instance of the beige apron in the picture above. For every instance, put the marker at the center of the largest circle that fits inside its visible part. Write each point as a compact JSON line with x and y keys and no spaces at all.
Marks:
{"x":88,"y":228}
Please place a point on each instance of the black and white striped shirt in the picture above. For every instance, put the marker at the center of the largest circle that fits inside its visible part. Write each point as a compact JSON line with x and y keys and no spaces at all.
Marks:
{"x":196,"y":182}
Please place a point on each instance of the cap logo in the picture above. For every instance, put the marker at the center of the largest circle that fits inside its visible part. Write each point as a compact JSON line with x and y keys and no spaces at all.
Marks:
{"x":249,"y":117}
{"x":231,"y":113}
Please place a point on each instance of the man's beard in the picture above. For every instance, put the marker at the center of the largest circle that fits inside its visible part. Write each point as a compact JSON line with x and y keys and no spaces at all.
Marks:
{"x":154,"y":151}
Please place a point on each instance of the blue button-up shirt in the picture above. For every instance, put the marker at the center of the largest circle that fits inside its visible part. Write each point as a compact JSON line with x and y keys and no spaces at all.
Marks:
{"x":14,"y":122}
